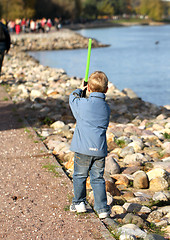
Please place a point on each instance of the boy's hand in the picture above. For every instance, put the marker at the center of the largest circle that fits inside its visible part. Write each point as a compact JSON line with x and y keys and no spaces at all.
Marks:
{"x":82,"y":86}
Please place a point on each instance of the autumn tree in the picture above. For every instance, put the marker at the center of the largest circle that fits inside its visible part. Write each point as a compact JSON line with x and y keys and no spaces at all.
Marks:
{"x":152,"y":8}
{"x":156,"y":10}
{"x":13,"y":9}
{"x":105,"y":8}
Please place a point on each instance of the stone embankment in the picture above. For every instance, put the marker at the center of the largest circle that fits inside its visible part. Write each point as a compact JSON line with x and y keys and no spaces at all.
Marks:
{"x":137,"y":171}
{"x":64,"y":39}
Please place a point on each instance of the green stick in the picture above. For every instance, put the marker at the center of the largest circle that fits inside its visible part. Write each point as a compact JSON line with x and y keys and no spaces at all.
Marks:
{"x":88,"y":60}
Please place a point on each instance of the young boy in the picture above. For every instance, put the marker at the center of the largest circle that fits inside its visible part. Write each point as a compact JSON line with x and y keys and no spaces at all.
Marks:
{"x":89,"y":143}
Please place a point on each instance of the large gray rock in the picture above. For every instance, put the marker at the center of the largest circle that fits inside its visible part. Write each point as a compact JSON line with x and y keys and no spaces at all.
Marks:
{"x":131,"y":218}
{"x":135,"y":207}
{"x":135,"y":158}
{"x":154,"y":237}
{"x":111,"y":165}
{"x":128,"y":150}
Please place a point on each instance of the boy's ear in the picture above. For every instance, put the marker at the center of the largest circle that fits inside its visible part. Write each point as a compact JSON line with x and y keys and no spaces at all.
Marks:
{"x":88,"y":88}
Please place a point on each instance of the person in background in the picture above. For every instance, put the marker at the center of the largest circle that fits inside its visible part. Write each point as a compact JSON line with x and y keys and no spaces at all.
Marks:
{"x":17,"y":26}
{"x":5,"y":42}
{"x":49,"y":24}
{"x":23,"y":24}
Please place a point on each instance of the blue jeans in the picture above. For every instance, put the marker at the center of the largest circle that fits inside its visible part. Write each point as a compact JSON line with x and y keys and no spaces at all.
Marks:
{"x":83,"y":165}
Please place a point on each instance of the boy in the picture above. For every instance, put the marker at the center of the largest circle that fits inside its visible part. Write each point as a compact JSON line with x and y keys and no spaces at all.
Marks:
{"x":89,"y":143}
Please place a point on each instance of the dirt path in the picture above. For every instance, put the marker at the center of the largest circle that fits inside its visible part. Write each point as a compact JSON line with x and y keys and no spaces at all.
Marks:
{"x":34,"y":201}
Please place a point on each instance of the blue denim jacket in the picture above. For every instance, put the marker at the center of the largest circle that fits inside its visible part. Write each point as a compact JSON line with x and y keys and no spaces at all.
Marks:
{"x":92,"y":119}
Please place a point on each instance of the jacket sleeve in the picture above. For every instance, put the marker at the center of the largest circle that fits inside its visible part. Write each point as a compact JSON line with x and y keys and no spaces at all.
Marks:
{"x":74,"y":101}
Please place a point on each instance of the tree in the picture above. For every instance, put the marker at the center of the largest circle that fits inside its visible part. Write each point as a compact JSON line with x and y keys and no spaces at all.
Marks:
{"x":144,"y":7}
{"x":78,"y":9}
{"x":105,"y":8}
{"x":125,"y":6}
{"x":29,"y":8}
{"x":90,"y":9}
{"x":156,"y":10}
{"x":13,"y":9}
{"x":152,"y":8}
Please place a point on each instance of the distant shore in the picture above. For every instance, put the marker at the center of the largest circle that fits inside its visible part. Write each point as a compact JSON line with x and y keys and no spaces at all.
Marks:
{"x":109,"y":23}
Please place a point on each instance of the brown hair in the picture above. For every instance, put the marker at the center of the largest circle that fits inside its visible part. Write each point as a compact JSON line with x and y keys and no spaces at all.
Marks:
{"x":98,"y":82}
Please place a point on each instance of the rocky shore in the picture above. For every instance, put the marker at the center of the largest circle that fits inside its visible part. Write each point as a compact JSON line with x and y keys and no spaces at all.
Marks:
{"x":137,"y":171}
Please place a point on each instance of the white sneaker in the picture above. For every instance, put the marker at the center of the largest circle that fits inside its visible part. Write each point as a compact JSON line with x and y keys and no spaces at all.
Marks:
{"x":81,"y":207}
{"x":104,"y":215}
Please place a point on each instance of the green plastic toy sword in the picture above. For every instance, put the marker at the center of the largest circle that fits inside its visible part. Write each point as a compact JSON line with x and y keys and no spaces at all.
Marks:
{"x":87,"y":66}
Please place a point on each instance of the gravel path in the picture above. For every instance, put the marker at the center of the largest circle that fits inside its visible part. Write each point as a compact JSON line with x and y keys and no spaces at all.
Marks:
{"x":34,"y":201}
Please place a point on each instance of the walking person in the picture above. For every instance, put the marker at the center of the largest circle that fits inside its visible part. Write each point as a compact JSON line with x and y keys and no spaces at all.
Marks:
{"x":89,"y":143}
{"x":5,"y":42}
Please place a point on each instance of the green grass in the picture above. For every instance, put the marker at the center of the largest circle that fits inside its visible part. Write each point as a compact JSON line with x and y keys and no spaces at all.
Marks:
{"x":157,"y":203}
{"x":27,"y":130}
{"x":120,"y":142}
{"x":152,"y":228}
{"x":67,"y":208}
{"x":149,"y":124}
{"x":5,"y":99}
{"x":130,"y":20}
{"x":51,"y":168}
{"x":115,"y":234}
{"x":166,"y":135}
{"x":70,"y":197}
{"x":47,"y":121}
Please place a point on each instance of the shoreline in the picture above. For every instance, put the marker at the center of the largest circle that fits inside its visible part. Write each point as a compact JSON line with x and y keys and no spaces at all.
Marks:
{"x":137,"y":166}
{"x":105,"y":24}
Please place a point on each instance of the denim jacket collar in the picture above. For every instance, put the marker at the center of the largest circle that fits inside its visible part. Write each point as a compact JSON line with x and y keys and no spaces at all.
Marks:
{"x":97,"y":95}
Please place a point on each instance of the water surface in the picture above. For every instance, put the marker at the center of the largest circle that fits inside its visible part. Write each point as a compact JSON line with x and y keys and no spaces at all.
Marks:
{"x":138,"y":58}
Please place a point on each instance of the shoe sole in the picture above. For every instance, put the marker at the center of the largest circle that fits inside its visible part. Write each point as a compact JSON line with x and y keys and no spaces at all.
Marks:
{"x":104,"y":215}
{"x":80,"y":210}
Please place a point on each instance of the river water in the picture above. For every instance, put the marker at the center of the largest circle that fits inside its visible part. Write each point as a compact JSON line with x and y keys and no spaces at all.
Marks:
{"x":138,"y":58}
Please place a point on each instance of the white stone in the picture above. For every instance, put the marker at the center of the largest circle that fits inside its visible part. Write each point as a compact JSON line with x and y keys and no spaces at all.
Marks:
{"x":156,"y":172}
{"x":57,"y":125}
{"x":118,"y":209}
{"x":160,"y":196}
{"x":132,"y":230}
{"x":126,"y":236}
{"x":35,"y":94}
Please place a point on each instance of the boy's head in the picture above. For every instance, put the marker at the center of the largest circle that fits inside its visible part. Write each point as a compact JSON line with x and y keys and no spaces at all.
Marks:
{"x":98,"y":82}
